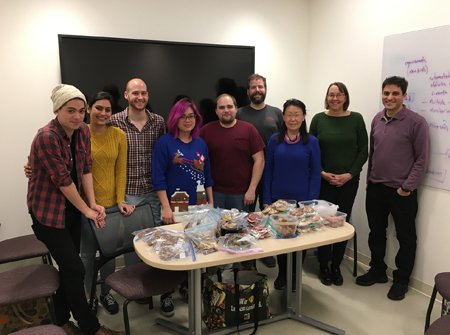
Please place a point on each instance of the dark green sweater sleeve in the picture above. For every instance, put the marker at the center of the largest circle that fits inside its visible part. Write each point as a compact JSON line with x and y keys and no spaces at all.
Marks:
{"x":362,"y":143}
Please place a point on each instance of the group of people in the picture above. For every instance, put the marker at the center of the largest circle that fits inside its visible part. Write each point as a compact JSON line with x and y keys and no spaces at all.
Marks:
{"x":123,"y":160}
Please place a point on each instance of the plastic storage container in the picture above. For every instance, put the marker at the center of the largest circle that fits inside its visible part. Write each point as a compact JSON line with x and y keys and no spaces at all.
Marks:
{"x":284,"y":224}
{"x":335,"y":221}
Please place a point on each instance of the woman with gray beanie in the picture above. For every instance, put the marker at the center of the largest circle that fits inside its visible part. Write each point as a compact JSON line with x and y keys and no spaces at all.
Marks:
{"x":60,"y":161}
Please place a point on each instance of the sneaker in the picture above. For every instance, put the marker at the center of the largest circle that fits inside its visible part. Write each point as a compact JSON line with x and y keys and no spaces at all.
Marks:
{"x":167,"y":307}
{"x":71,"y":329}
{"x":279,"y":283}
{"x":397,"y":291}
{"x":94,"y":306}
{"x":325,"y":276}
{"x":110,"y":304}
{"x":106,"y":331}
{"x":270,"y":261}
{"x":371,"y":277}
{"x":336,"y":276}
{"x":184,"y":292}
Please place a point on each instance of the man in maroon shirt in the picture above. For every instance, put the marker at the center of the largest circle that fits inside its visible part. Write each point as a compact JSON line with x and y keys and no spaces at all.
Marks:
{"x":398,"y":158}
{"x":236,"y":155}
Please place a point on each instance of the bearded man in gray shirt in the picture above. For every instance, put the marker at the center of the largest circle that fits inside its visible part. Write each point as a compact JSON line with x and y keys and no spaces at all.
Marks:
{"x":267,"y":120}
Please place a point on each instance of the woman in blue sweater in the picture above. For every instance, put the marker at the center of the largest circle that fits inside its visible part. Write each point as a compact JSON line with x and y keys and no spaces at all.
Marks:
{"x":292,"y":169}
{"x":181,"y":172}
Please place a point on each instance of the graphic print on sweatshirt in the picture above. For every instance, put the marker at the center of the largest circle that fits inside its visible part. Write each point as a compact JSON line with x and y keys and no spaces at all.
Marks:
{"x":179,"y":201}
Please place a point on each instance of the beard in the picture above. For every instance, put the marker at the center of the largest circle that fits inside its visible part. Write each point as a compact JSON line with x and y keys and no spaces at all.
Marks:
{"x":259,"y":100}
{"x":227,"y":121}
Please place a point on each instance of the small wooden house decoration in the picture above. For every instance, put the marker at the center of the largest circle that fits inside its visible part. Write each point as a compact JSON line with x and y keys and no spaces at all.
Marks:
{"x":179,"y":201}
{"x":201,"y":194}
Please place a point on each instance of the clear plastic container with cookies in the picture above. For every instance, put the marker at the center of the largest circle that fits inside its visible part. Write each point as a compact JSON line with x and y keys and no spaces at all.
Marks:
{"x":285,"y":225}
{"x":335,"y":221}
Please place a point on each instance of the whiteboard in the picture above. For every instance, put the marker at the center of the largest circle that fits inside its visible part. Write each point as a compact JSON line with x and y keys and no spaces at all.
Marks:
{"x":423,"y":58}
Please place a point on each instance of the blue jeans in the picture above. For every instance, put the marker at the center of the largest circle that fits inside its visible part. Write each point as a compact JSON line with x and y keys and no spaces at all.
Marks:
{"x":229,"y":201}
{"x":150,"y":198}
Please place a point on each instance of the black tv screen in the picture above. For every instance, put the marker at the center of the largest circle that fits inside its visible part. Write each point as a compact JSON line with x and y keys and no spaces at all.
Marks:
{"x":200,"y":71}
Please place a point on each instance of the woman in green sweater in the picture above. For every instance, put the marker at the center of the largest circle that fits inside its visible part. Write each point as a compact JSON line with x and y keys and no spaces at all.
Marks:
{"x":343,"y":145}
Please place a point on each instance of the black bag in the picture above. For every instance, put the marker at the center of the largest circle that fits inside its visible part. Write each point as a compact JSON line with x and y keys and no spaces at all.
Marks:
{"x":220,"y":298}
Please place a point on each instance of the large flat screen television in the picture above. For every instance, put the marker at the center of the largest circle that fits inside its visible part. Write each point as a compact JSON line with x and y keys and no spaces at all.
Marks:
{"x":200,"y":71}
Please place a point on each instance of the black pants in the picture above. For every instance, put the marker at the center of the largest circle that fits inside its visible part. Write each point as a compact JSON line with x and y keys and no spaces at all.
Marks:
{"x":344,"y":196}
{"x":64,"y":246}
{"x":381,"y":201}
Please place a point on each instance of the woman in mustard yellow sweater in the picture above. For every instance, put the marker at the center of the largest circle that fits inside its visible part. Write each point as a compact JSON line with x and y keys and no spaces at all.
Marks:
{"x":109,"y":167}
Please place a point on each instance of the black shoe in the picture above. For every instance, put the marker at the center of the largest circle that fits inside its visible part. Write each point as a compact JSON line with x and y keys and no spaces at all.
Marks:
{"x":270,"y":261}
{"x":371,"y":277}
{"x":94,"y":306}
{"x":167,"y":307}
{"x":280,"y":282}
{"x":397,"y":291}
{"x":184,"y":292}
{"x":336,"y":277}
{"x":325,"y":276}
{"x":110,"y":304}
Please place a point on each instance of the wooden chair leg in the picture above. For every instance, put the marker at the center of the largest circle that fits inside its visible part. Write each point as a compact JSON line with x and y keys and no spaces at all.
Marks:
{"x":430,"y":308}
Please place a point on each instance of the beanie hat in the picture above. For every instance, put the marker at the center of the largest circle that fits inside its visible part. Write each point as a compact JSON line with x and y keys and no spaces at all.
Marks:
{"x":63,"y":93}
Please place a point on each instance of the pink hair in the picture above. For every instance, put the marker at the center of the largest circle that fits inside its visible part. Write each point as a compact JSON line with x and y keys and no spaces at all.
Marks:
{"x":177,"y":111}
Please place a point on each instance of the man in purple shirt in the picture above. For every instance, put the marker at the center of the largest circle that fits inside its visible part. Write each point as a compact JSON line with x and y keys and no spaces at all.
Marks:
{"x":398,"y":158}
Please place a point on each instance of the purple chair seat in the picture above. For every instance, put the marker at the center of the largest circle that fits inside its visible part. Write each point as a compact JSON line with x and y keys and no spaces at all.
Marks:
{"x":440,"y":327}
{"x":21,"y":247}
{"x":142,"y":281}
{"x":42,"y":330}
{"x":28,"y":282}
{"x":442,"y":282}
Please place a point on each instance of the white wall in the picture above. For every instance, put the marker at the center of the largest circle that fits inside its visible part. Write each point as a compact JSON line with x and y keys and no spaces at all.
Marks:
{"x":29,"y":60}
{"x":346,"y":44}
{"x":301,"y":46}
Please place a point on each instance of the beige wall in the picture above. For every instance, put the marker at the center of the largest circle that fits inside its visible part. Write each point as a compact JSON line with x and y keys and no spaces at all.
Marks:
{"x":346,"y":44}
{"x":301,"y":46}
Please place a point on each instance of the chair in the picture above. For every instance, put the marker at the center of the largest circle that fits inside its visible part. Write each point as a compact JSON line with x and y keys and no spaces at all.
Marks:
{"x":42,"y":330}
{"x":29,"y":282}
{"x":23,"y":247}
{"x":439,"y":327}
{"x":138,"y":281}
{"x":441,"y":285}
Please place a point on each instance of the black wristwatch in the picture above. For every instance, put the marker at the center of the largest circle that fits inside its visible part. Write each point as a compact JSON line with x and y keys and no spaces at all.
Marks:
{"x":405,"y":190}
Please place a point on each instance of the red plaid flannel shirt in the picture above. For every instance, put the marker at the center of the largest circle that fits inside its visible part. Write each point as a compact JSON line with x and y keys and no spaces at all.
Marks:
{"x":51,"y":163}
